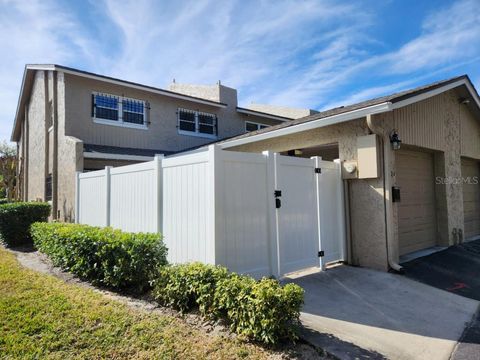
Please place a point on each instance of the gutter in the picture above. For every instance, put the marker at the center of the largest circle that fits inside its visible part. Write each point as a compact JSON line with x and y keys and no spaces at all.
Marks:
{"x":388,"y":205}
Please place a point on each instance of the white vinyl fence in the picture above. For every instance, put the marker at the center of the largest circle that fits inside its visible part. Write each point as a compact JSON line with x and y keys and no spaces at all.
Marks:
{"x":261,"y":214}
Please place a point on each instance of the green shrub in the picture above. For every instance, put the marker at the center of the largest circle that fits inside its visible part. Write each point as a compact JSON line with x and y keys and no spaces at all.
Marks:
{"x":104,"y":256}
{"x":3,"y":201}
{"x":16,"y":218}
{"x":188,"y":285}
{"x":261,"y":310}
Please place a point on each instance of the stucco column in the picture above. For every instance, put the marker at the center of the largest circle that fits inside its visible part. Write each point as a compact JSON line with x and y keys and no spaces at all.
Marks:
{"x":453,"y":171}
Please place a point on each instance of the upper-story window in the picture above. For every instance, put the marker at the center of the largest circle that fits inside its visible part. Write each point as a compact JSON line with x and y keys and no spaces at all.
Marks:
{"x":253,"y":126}
{"x":119,"y":110}
{"x":197,"y":123}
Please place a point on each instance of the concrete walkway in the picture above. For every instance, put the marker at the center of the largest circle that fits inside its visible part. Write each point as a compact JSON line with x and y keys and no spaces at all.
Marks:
{"x":374,"y":314}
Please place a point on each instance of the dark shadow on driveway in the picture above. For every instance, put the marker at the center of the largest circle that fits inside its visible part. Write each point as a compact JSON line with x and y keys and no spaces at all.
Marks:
{"x":456,"y":269}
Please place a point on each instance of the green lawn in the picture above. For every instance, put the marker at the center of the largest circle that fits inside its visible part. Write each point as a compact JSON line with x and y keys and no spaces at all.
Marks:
{"x":42,"y":317}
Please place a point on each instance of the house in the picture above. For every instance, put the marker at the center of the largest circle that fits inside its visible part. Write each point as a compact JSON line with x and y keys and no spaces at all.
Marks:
{"x":411,"y":167}
{"x":69,"y":120}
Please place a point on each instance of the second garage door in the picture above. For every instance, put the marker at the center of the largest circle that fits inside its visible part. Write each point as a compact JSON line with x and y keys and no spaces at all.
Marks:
{"x":471,"y":198}
{"x":416,"y":210}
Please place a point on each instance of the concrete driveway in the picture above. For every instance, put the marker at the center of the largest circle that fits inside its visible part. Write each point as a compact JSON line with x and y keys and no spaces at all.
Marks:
{"x":374,"y":314}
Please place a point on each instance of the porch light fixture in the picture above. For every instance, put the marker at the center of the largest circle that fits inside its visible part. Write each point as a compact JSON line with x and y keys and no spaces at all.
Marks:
{"x":395,"y":140}
{"x":464,"y":101}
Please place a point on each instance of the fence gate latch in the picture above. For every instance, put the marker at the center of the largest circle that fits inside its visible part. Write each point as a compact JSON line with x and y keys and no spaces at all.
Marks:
{"x":318,"y":170}
{"x":278,"y":202}
{"x":321,"y":253}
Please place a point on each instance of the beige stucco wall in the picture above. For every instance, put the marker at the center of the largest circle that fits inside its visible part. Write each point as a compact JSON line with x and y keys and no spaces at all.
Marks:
{"x":36,"y":140}
{"x":294,"y":113}
{"x":162,"y":133}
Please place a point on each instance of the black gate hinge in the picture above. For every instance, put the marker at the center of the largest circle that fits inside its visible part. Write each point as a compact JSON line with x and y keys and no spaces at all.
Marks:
{"x":318,"y":170}
{"x":321,"y":253}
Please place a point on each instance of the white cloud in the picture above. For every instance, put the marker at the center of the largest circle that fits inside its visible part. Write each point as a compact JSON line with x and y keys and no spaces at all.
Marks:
{"x":304,"y":53}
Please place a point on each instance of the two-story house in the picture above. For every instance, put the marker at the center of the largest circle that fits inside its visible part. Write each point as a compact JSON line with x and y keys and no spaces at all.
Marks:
{"x":69,"y":120}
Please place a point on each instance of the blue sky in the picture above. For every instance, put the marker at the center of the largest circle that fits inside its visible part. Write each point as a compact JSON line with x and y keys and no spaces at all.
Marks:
{"x":316,"y":54}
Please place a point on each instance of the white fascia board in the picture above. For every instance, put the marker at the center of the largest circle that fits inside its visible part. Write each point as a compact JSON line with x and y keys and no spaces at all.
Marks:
{"x":264,"y":115}
{"x":330,"y":120}
{"x":434,"y":92}
{"x":41,"y":67}
{"x":143,"y":88}
{"x":95,"y":155}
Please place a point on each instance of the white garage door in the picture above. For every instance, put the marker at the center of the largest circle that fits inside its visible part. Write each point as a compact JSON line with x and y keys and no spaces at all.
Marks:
{"x":471,"y":198}
{"x":416,"y":210}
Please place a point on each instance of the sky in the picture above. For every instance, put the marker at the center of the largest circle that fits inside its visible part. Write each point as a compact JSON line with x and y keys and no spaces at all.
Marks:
{"x":311,"y":54}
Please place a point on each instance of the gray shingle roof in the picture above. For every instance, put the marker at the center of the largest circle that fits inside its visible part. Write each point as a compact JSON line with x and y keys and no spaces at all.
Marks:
{"x":393,"y":98}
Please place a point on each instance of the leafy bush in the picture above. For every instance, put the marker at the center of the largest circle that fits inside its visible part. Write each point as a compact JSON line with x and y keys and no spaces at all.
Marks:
{"x":102,"y":255}
{"x":16,"y":218}
{"x":3,"y":201}
{"x":261,"y":310}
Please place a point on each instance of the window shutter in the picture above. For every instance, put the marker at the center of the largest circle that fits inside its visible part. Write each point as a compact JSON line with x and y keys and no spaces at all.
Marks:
{"x":93,"y":105}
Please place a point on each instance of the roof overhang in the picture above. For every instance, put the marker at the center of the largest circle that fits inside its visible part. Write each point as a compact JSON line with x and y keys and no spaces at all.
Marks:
{"x":106,"y":156}
{"x":27,"y":83}
{"x":262,"y":114}
{"x":352,"y":115}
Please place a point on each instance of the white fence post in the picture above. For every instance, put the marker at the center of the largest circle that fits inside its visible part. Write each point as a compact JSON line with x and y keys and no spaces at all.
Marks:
{"x":318,"y":196}
{"x":77,"y":197}
{"x":341,"y":211}
{"x":272,"y":215}
{"x":159,"y":191}
{"x":107,"y":195}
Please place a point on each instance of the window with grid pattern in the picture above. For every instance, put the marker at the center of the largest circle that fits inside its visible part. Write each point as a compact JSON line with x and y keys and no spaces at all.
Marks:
{"x":119,"y":109}
{"x":251,"y":126}
{"x":197,"y":123}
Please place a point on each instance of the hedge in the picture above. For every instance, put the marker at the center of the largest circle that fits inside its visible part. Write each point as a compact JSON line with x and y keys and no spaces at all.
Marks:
{"x":104,"y":256}
{"x":3,"y":201}
{"x":16,"y":218}
{"x":261,"y":310}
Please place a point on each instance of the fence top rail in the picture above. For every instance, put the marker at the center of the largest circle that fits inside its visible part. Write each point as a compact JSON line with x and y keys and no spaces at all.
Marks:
{"x":188,"y":159}
{"x":92,"y":174}
{"x":236,"y":156}
{"x":145,"y":166}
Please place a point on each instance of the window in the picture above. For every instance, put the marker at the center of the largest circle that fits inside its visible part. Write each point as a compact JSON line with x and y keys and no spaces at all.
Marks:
{"x":48,"y":187}
{"x":118,"y":110}
{"x":251,"y":126}
{"x":197,"y":123}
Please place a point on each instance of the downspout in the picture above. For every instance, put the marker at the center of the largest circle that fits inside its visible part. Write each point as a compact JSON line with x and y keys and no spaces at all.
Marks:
{"x":387,"y":185}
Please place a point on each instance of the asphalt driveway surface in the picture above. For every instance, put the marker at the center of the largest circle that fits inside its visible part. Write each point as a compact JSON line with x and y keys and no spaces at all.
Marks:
{"x":456,"y":269}
{"x":357,"y":313}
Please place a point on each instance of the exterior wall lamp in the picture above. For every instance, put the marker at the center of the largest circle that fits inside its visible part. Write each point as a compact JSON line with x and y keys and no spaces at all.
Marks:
{"x":395,"y":140}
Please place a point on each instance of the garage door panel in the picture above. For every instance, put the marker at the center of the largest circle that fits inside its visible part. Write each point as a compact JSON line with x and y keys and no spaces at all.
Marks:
{"x":471,"y":198}
{"x":416,"y":210}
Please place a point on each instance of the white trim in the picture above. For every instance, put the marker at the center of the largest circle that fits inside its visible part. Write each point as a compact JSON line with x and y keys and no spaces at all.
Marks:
{"x":126,"y":84}
{"x":431,"y":93}
{"x":97,"y":155}
{"x":330,"y":120}
{"x":262,"y":114}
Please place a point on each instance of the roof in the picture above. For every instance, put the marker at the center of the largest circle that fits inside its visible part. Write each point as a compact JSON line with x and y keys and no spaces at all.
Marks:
{"x":262,"y":114}
{"x":355,"y":111}
{"x":105,"y":149}
{"x":27,"y":83}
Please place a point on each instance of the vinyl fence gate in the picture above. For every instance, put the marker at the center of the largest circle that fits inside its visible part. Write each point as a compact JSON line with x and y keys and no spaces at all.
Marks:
{"x":260,"y":214}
